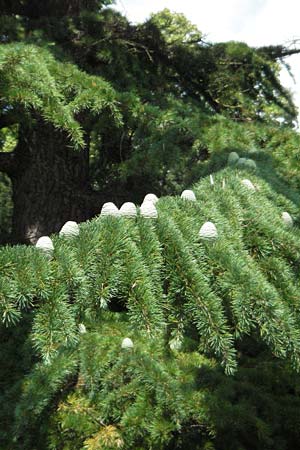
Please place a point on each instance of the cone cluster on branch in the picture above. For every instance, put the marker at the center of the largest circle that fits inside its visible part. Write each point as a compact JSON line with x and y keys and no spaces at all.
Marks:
{"x":193,"y":287}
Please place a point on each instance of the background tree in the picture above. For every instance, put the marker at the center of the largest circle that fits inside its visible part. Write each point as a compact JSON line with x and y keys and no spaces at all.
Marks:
{"x":93,"y":108}
{"x":79,"y":76}
{"x":46,"y":99}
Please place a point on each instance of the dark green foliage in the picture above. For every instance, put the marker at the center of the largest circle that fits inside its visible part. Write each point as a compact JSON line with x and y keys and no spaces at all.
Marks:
{"x":5,"y":207}
{"x":33,"y":80}
{"x":34,"y":9}
{"x":16,"y":359}
{"x":214,"y":323}
{"x":195,"y":310}
{"x":150,"y":105}
{"x":7,"y":143}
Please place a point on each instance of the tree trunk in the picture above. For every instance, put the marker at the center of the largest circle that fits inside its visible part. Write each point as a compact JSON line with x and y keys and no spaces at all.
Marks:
{"x":50,"y":183}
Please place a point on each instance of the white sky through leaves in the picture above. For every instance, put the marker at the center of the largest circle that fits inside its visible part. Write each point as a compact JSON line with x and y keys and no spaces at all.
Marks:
{"x":256,"y":22}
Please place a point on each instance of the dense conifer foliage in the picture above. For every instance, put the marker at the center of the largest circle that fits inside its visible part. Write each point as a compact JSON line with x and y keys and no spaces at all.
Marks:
{"x":143,"y":333}
{"x":103,"y":108}
{"x":174,"y":325}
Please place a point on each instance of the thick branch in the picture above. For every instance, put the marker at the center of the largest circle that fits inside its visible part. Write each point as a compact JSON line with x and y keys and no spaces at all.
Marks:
{"x":7,"y":162}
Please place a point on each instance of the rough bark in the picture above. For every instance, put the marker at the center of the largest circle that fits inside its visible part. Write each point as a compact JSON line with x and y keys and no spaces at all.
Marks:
{"x":50,"y":183}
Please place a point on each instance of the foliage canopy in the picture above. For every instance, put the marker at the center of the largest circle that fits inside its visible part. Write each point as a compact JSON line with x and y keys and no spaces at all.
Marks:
{"x":91,"y":104}
{"x":121,"y":94}
{"x":193,"y":310}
